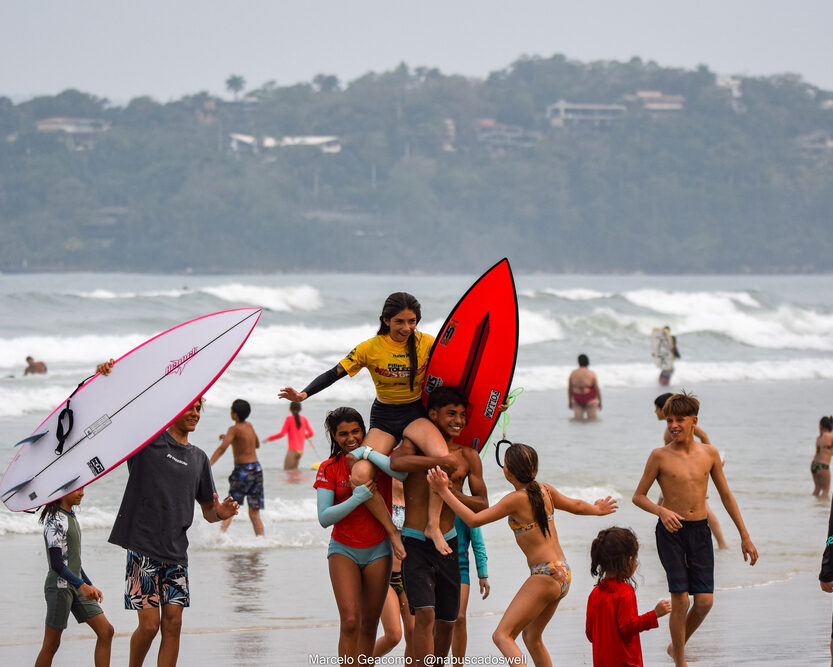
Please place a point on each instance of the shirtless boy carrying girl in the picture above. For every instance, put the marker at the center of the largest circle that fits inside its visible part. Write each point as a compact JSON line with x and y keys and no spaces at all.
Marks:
{"x":684,"y":543}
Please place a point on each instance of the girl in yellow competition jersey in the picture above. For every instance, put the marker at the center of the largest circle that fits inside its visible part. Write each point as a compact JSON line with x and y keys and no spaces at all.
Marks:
{"x":396,"y":359}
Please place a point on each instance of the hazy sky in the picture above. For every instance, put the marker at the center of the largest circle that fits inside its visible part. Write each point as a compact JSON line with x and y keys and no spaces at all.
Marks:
{"x":121,"y":49}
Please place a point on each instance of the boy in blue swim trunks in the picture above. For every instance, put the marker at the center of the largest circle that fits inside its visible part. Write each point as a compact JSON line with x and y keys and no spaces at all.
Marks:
{"x":432,"y":580}
{"x":684,"y":542}
{"x":246,"y":480}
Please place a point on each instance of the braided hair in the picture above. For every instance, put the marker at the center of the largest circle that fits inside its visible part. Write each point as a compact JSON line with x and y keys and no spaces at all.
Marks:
{"x":522,"y":461}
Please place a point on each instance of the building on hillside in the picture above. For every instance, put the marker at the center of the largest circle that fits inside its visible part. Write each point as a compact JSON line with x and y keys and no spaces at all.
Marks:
{"x":563,"y":113}
{"x":500,"y":137}
{"x":656,"y":102}
{"x":732,"y":84}
{"x":249,"y":143}
{"x":72,"y":125}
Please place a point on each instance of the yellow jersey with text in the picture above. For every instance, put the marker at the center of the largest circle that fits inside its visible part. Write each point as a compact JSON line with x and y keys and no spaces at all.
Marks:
{"x":390,"y":366}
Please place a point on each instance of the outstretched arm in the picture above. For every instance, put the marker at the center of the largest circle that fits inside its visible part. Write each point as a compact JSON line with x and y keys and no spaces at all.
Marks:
{"x":479,"y":499}
{"x":321,"y":382}
{"x":508,"y":504}
{"x":227,"y":440}
{"x":575,"y":506}
{"x":728,"y":499}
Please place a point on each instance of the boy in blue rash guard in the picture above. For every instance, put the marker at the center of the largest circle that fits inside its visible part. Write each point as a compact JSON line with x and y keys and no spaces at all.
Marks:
{"x":432,"y":579}
{"x":68,"y":588}
{"x":468,"y":536}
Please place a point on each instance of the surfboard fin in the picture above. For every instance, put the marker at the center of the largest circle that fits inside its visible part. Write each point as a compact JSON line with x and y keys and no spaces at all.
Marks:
{"x":65,"y":486}
{"x":31,"y":439}
{"x":17,"y":488}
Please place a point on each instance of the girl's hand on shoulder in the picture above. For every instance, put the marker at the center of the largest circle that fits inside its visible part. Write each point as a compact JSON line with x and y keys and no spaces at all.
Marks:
{"x":605,"y":506}
{"x":663,"y":607}
{"x":437,"y":480}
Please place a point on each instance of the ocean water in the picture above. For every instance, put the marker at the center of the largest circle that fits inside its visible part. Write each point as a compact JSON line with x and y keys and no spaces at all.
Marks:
{"x":757,"y":350}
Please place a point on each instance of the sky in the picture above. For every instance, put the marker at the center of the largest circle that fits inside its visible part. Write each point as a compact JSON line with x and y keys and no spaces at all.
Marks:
{"x":121,"y":49}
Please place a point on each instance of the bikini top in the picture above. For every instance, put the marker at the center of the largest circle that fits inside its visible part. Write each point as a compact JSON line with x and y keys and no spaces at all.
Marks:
{"x":518,"y":527}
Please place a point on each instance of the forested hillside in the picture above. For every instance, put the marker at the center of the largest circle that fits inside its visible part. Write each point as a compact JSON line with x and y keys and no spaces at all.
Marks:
{"x":415,"y":170}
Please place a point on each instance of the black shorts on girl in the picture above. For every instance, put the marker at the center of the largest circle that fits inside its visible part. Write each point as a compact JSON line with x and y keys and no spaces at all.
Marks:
{"x":687,"y":556}
{"x":393,"y":418}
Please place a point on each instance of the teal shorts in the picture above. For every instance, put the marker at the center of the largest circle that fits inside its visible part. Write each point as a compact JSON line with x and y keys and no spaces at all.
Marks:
{"x":359,"y":556}
{"x":61,"y":601}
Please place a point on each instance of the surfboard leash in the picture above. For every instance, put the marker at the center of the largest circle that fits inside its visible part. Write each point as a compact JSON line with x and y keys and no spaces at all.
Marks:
{"x":503,"y":423}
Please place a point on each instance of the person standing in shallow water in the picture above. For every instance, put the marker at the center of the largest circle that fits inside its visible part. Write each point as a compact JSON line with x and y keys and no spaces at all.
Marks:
{"x":584,"y":397}
{"x":246,"y":480}
{"x":296,"y":428}
{"x":820,"y":467}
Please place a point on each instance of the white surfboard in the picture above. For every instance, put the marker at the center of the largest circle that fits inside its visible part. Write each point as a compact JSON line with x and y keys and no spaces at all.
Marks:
{"x":661,"y":349}
{"x":115,"y":416}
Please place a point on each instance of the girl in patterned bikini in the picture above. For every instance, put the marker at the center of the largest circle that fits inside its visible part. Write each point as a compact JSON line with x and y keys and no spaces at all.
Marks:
{"x":530,"y":509}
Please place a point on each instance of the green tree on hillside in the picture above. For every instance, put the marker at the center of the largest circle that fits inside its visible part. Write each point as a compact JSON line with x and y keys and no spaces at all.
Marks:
{"x":235,"y":84}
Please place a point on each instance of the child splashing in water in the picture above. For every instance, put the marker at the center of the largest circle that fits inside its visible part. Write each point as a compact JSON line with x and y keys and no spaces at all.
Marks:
{"x":530,"y":508}
{"x":613,"y":622}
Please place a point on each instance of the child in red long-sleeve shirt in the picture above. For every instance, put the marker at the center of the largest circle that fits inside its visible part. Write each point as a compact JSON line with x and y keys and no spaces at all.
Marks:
{"x":613,"y":622}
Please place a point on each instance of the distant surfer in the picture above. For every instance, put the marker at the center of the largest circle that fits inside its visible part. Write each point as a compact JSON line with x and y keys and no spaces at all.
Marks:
{"x":820,"y":467}
{"x":157,"y":508}
{"x":246,"y":479}
{"x":584,"y":397}
{"x":396,"y":359}
{"x":359,"y":554}
{"x":34,"y":367}
{"x":432,"y":579}
{"x":296,"y":428}
{"x":664,"y":351}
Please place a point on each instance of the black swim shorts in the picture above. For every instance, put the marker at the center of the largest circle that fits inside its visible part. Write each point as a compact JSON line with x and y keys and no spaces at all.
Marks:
{"x":431,"y":579}
{"x":688,"y":557}
{"x":394,"y":417}
{"x":246,"y":482}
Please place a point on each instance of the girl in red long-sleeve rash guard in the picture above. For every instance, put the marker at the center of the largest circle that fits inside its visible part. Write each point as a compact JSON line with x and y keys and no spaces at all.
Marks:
{"x":613,"y":622}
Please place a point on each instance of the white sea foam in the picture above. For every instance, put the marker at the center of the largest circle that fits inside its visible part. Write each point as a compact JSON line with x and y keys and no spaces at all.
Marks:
{"x":283,"y":299}
{"x":537,"y":328}
{"x":66,"y":349}
{"x":89,"y":518}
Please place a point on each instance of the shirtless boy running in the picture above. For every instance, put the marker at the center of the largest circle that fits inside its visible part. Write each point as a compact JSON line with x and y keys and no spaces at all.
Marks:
{"x":684,"y":542}
{"x":246,"y":480}
{"x":432,"y":580}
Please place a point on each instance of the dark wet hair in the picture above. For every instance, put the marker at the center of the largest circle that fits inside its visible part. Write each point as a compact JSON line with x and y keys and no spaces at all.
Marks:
{"x":339,"y":416}
{"x":522,"y":461}
{"x":661,"y":400}
{"x":443,"y":396}
{"x":611,"y":552}
{"x":50,"y":509}
{"x":396,"y":303}
{"x":241,"y":408}
{"x":295,"y":408}
{"x":826,"y":423}
{"x":583,"y":360}
{"x":681,"y":405}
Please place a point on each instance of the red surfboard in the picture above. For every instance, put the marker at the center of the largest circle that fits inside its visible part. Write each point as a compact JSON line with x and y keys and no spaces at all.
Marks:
{"x":476,"y":350}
